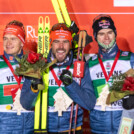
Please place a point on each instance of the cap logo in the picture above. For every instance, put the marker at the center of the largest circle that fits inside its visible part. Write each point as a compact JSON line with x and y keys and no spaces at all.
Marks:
{"x":61,"y":36}
{"x":104,"y":24}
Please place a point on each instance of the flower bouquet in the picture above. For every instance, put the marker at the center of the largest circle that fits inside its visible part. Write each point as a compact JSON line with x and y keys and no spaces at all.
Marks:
{"x":122,"y":85}
{"x":32,"y":65}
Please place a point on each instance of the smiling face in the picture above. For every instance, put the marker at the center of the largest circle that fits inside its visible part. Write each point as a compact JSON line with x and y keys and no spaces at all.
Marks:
{"x":60,"y":49}
{"x":12,"y":44}
{"x":105,"y":36}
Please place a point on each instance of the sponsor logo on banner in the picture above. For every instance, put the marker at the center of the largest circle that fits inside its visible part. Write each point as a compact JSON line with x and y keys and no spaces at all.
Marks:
{"x":123,"y":3}
{"x":31,"y":33}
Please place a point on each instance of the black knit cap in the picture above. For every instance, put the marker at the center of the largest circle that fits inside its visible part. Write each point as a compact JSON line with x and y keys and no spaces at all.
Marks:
{"x":102,"y":22}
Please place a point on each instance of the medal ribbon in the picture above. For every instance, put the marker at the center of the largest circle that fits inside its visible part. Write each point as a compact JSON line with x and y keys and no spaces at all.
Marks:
{"x":18,"y":79}
{"x":55,"y":77}
{"x":112,"y":69}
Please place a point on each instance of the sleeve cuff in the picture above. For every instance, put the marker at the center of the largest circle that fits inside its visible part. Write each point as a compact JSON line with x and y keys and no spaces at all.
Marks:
{"x":34,"y":90}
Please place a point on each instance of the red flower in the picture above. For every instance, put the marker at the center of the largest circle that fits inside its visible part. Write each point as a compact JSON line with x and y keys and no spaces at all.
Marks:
{"x":32,"y":57}
{"x":128,"y":84}
{"x":130,"y":79}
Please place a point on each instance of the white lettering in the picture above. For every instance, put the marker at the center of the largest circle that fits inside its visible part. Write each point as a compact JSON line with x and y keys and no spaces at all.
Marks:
{"x":31,"y":32}
{"x":78,"y":69}
{"x":34,"y":33}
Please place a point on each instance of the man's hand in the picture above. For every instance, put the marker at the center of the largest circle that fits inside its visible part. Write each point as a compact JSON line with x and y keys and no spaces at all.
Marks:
{"x":88,"y":38}
{"x":128,"y":102}
{"x":37,"y":84}
{"x":66,"y":77}
{"x":74,"y":27}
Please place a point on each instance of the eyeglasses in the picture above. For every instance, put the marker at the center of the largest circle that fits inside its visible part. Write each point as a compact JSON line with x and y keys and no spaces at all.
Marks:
{"x":101,"y":15}
{"x":59,"y":26}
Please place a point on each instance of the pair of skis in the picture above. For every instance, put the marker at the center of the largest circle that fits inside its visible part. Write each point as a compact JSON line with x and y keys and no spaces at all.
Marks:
{"x":61,"y":11}
{"x":43,"y":36}
{"x":40,"y":117}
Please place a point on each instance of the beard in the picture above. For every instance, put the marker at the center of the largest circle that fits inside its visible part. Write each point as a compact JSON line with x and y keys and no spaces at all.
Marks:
{"x":107,"y":47}
{"x":62,"y":59}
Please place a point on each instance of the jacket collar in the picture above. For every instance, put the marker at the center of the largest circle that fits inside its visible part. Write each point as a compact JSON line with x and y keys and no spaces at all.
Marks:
{"x":110,"y":54}
{"x":11,"y":58}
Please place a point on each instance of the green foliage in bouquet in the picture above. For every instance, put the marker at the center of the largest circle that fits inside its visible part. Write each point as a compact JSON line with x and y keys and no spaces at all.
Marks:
{"x":118,"y":82}
{"x":32,"y":65}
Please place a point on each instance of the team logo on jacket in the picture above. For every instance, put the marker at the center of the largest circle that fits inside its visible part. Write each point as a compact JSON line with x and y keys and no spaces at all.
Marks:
{"x":59,"y":73}
{"x":108,"y":66}
{"x":104,"y":24}
{"x":101,"y":56}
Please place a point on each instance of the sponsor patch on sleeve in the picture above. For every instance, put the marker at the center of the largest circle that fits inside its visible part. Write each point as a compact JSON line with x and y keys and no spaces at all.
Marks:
{"x":124,"y":53}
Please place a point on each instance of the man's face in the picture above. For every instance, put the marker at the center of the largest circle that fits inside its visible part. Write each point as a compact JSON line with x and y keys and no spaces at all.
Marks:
{"x":12,"y":44}
{"x":60,"y":49}
{"x":105,"y":36}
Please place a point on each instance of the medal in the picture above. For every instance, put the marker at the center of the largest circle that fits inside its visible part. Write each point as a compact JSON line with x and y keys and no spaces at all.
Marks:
{"x":62,"y":101}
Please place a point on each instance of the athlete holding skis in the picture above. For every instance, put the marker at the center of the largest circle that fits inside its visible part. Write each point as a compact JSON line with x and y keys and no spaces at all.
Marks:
{"x":59,"y":122}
